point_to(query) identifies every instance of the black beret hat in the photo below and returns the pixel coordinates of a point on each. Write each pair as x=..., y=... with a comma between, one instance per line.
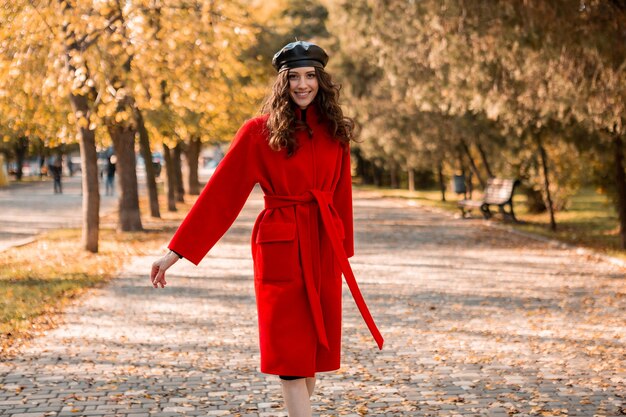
x=299, y=54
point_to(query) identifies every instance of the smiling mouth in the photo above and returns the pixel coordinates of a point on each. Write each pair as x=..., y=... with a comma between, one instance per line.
x=301, y=95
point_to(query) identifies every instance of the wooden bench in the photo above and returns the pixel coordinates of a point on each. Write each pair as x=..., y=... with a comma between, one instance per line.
x=499, y=192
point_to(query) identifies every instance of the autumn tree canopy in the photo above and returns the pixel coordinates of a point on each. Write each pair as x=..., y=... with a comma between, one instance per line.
x=528, y=89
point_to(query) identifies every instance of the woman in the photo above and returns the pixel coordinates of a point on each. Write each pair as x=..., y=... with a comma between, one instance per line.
x=298, y=151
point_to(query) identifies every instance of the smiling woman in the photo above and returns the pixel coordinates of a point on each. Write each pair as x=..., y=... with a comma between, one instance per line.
x=298, y=151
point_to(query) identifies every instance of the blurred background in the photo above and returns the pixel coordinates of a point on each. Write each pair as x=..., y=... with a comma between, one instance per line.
x=446, y=94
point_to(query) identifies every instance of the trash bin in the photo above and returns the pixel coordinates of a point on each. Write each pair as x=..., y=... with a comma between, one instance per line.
x=458, y=183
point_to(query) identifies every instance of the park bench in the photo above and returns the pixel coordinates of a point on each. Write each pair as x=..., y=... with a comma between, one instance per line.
x=499, y=192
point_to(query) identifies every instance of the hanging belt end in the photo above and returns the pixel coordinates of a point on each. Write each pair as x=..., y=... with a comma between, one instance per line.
x=380, y=341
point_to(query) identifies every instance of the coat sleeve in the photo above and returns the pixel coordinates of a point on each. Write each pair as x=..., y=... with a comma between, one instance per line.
x=342, y=201
x=221, y=200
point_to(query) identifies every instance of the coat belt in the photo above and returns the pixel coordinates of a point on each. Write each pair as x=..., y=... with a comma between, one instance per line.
x=324, y=201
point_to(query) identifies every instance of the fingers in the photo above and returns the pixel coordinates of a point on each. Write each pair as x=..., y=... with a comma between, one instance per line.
x=160, y=280
x=157, y=275
x=153, y=272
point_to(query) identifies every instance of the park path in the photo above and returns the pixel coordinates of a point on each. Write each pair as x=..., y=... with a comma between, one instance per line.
x=28, y=209
x=478, y=322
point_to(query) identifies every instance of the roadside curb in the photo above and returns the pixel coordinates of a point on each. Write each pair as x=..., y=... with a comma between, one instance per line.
x=17, y=243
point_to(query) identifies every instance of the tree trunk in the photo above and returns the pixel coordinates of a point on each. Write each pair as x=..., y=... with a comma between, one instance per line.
x=129, y=218
x=90, y=178
x=123, y=134
x=393, y=175
x=21, y=147
x=374, y=174
x=546, y=180
x=411, y=179
x=473, y=166
x=620, y=186
x=377, y=174
x=178, y=172
x=483, y=157
x=146, y=153
x=366, y=171
x=361, y=166
x=87, y=143
x=442, y=183
x=193, y=153
x=171, y=181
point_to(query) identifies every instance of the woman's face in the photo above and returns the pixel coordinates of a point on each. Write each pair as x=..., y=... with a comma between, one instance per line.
x=303, y=85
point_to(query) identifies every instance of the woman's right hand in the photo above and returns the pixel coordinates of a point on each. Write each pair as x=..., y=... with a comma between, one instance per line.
x=157, y=274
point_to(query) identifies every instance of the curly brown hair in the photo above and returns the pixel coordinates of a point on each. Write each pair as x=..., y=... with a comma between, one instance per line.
x=282, y=122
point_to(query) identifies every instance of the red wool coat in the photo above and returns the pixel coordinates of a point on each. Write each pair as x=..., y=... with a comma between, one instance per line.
x=301, y=241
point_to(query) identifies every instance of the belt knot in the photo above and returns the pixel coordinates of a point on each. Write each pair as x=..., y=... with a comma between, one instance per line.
x=310, y=196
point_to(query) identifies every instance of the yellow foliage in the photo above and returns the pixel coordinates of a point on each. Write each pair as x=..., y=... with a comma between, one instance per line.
x=187, y=77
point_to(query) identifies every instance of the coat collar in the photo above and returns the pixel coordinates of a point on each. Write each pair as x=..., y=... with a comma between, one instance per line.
x=312, y=113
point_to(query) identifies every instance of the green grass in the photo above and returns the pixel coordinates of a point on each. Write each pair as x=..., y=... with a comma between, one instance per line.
x=590, y=220
x=26, y=299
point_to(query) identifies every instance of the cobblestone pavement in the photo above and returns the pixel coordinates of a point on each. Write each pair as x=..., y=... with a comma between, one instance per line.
x=478, y=322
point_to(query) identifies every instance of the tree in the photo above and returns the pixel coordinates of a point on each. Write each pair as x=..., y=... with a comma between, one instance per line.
x=89, y=53
x=533, y=72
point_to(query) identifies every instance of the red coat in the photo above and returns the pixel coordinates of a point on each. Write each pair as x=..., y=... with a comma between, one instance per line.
x=300, y=241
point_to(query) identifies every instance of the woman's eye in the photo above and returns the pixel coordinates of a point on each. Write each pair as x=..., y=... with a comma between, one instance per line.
x=309, y=76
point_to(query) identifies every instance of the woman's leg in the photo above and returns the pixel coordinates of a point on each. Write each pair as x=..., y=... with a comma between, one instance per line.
x=296, y=395
x=310, y=385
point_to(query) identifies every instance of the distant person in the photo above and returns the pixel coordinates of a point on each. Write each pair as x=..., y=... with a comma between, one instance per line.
x=55, y=167
x=218, y=154
x=70, y=166
x=110, y=174
x=42, y=167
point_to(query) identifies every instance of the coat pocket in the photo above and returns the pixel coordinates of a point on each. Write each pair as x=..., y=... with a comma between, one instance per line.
x=278, y=250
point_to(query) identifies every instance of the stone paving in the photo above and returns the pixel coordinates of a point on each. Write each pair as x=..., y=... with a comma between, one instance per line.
x=27, y=209
x=478, y=322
